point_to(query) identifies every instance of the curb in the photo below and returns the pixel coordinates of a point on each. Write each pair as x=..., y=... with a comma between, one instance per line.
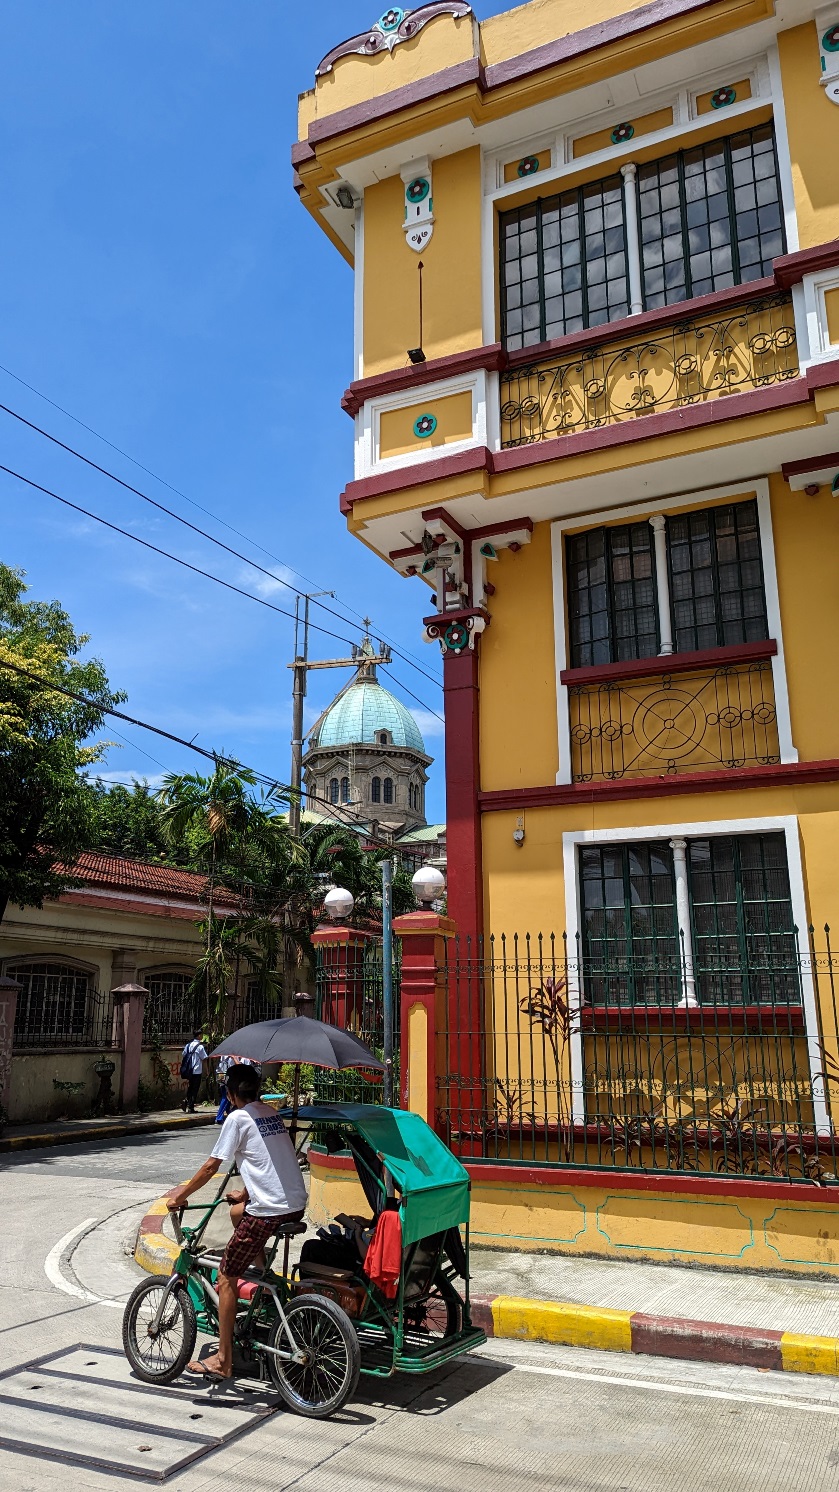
x=153, y=1251
x=104, y=1132
x=574, y=1325
x=520, y=1319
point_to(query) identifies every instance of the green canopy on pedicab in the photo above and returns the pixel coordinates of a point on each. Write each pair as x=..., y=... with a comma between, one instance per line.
x=433, y=1184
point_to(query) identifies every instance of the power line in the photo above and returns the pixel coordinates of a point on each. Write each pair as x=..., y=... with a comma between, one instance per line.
x=196, y=569
x=215, y=757
x=178, y=519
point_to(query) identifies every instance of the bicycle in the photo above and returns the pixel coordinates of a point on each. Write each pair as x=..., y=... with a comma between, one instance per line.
x=305, y=1346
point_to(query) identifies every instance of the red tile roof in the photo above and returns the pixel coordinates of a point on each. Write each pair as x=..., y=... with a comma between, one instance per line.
x=121, y=874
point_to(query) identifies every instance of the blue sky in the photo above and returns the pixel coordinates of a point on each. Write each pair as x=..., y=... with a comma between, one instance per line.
x=161, y=282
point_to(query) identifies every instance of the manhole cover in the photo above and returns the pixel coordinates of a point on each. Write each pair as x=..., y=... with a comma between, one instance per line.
x=82, y=1406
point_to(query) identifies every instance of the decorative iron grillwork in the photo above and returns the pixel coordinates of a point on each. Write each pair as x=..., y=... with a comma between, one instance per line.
x=350, y=995
x=59, y=1007
x=535, y=1071
x=689, y=362
x=685, y=722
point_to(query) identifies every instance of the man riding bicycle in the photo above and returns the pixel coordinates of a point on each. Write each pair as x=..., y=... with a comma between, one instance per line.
x=253, y=1138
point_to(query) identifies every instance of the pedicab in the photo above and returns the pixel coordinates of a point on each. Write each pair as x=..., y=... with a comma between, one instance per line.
x=310, y=1331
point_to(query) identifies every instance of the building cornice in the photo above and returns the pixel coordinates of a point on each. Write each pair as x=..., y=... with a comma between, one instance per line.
x=684, y=785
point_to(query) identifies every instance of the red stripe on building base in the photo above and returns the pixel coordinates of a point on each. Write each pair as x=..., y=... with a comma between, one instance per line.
x=706, y=1341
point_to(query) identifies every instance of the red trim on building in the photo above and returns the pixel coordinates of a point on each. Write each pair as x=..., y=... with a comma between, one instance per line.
x=778, y=774
x=584, y=442
x=790, y=269
x=497, y=75
x=666, y=663
x=514, y=1175
x=812, y=463
x=638, y=326
x=463, y=820
x=414, y=375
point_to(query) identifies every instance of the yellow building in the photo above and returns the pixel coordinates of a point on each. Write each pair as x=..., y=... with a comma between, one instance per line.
x=596, y=403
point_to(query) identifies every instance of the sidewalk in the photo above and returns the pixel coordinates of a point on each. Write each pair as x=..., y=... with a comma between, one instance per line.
x=778, y=1322
x=71, y=1131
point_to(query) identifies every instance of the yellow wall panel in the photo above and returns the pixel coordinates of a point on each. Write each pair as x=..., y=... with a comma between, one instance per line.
x=806, y=531
x=441, y=44
x=602, y=139
x=813, y=128
x=831, y=303
x=451, y=286
x=518, y=683
x=743, y=90
x=454, y=422
x=540, y=21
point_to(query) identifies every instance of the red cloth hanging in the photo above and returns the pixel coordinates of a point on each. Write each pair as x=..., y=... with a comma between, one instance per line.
x=383, y=1260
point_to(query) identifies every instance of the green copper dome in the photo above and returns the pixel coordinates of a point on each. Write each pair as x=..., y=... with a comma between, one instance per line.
x=361, y=712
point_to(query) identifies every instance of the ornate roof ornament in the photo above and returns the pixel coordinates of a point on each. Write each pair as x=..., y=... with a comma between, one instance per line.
x=394, y=26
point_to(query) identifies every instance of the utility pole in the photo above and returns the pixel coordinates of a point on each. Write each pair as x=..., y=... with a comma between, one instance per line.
x=299, y=666
x=387, y=978
x=363, y=658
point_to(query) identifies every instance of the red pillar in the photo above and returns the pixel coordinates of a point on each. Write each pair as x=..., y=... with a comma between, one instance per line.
x=463, y=819
x=341, y=977
x=424, y=1057
x=129, y=1006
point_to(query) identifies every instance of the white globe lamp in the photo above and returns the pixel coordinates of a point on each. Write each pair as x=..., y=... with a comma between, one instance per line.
x=428, y=885
x=338, y=904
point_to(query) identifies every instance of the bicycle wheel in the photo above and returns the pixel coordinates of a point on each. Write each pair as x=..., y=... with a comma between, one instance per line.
x=440, y=1314
x=160, y=1358
x=322, y=1384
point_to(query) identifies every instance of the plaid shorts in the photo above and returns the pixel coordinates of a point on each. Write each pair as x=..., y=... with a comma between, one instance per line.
x=249, y=1239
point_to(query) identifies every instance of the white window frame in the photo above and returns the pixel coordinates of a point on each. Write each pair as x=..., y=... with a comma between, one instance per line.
x=635, y=514
x=782, y=823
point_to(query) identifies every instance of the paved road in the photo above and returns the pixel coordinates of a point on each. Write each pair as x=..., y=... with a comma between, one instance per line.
x=515, y=1416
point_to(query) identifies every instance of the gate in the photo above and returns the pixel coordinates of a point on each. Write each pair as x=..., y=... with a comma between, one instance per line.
x=350, y=994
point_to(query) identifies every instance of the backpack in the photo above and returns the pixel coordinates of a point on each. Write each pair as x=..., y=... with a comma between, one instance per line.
x=186, y=1061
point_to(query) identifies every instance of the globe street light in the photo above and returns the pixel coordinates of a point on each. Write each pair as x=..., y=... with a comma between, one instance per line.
x=428, y=885
x=338, y=904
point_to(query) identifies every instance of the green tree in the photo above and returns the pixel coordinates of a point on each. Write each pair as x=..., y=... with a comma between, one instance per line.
x=129, y=821
x=47, y=806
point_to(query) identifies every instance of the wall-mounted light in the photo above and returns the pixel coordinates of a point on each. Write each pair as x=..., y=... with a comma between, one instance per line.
x=345, y=197
x=416, y=355
x=518, y=832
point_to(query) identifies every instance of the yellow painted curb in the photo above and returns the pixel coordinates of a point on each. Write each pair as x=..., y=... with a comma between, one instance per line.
x=806, y=1354
x=155, y=1253
x=569, y=1324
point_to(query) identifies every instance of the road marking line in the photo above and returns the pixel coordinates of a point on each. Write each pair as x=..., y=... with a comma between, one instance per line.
x=53, y=1272
x=676, y=1388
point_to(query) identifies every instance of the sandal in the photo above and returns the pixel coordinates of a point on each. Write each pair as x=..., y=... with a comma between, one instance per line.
x=211, y=1374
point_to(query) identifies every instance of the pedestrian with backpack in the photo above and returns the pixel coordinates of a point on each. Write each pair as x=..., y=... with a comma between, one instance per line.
x=193, y=1057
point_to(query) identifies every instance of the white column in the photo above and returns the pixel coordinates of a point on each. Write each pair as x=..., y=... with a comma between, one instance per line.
x=662, y=576
x=680, y=870
x=633, y=239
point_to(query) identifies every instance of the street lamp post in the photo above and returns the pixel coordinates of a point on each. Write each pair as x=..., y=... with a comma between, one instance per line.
x=387, y=978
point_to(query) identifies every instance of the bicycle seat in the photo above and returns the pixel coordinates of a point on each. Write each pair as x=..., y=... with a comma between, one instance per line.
x=290, y=1230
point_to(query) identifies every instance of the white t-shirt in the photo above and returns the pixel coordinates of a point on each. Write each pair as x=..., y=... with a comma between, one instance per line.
x=197, y=1055
x=255, y=1138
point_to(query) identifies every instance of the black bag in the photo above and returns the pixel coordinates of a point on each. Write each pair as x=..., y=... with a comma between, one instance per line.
x=186, y=1061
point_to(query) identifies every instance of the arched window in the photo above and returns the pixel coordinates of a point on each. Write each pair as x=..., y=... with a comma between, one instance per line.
x=52, y=1005
x=345, y=789
x=388, y=790
x=376, y=790
x=384, y=739
x=333, y=790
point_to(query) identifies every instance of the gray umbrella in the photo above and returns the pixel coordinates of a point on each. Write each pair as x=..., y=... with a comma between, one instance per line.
x=298, y=1038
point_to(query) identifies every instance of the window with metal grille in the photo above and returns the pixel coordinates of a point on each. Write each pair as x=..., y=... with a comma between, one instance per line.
x=630, y=937
x=376, y=790
x=611, y=595
x=745, y=947
x=710, y=217
x=172, y=1009
x=563, y=264
x=716, y=578
x=52, y=1002
x=742, y=931
x=388, y=790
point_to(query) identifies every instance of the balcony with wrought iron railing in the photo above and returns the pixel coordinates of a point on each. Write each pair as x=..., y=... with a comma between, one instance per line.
x=591, y=381
x=718, y=713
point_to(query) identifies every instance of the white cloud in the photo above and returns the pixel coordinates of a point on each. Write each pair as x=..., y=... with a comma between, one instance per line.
x=429, y=724
x=153, y=779
x=265, y=585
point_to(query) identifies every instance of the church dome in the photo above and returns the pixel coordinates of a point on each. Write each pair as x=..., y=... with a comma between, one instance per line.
x=361, y=713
